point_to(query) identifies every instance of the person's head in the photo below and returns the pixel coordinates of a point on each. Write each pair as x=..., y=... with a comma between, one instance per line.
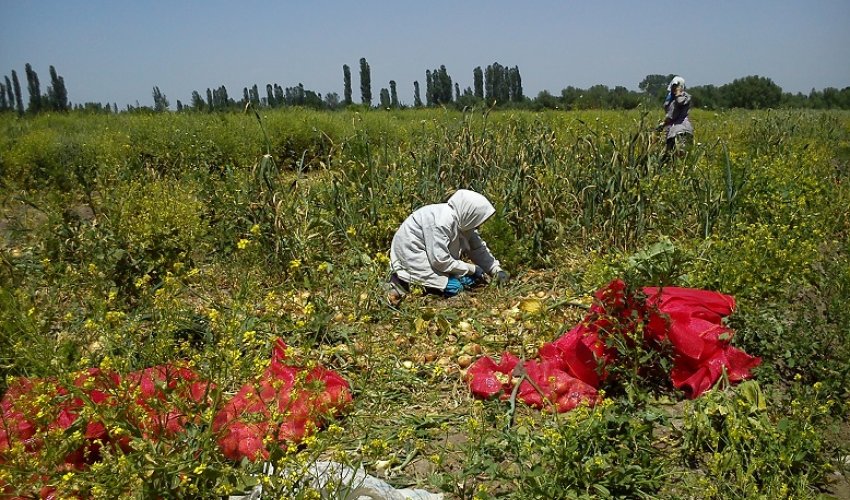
x=677, y=83
x=472, y=209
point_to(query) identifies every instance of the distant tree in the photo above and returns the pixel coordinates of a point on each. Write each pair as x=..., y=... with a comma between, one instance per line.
x=332, y=100
x=34, y=90
x=179, y=106
x=515, y=85
x=209, y=99
x=197, y=101
x=346, y=80
x=4, y=105
x=393, y=95
x=655, y=85
x=445, y=85
x=270, y=95
x=19, y=101
x=160, y=102
x=546, y=100
x=255, y=95
x=753, y=92
x=365, y=82
x=279, y=95
x=56, y=92
x=245, y=97
x=385, y=98
x=10, y=94
x=429, y=88
x=478, y=82
x=457, y=92
x=706, y=96
x=417, y=100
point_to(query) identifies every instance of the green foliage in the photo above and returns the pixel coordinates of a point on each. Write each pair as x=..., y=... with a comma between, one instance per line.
x=610, y=451
x=132, y=240
x=745, y=450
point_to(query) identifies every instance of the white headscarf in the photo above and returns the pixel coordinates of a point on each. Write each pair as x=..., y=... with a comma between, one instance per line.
x=677, y=80
x=472, y=209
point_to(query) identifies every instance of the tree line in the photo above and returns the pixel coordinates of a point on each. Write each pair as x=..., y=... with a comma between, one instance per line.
x=494, y=86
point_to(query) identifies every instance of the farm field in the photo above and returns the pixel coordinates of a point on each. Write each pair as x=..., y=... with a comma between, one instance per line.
x=196, y=241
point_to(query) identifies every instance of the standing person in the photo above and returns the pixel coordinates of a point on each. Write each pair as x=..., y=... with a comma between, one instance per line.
x=680, y=132
x=428, y=246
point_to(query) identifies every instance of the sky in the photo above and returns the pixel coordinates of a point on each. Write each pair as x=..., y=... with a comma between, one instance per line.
x=116, y=51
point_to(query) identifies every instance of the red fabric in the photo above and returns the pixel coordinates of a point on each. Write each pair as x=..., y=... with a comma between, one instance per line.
x=572, y=367
x=247, y=419
x=167, y=397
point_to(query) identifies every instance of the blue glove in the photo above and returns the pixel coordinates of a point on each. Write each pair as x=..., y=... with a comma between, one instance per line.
x=453, y=287
x=466, y=281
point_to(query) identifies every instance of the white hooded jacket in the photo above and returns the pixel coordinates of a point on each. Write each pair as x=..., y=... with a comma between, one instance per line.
x=427, y=248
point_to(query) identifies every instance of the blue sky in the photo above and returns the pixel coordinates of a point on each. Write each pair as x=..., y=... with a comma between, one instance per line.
x=118, y=50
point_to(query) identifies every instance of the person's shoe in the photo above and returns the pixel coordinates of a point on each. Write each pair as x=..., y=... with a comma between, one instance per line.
x=394, y=298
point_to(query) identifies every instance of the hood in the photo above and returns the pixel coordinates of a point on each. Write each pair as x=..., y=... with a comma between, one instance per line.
x=677, y=80
x=472, y=209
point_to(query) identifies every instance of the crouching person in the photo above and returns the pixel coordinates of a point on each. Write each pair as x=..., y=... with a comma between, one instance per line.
x=428, y=247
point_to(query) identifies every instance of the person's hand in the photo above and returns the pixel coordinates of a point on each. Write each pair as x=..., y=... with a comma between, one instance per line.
x=501, y=277
x=478, y=274
x=453, y=287
x=466, y=281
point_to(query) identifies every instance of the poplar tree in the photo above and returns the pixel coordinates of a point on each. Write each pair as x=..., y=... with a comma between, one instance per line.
x=270, y=95
x=393, y=94
x=57, y=93
x=209, y=99
x=429, y=88
x=197, y=101
x=19, y=100
x=417, y=100
x=478, y=82
x=516, y=85
x=10, y=97
x=160, y=102
x=385, y=98
x=365, y=82
x=346, y=81
x=34, y=89
x=3, y=104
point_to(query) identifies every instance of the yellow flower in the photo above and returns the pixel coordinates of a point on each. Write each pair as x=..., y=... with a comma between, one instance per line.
x=242, y=244
x=351, y=231
x=255, y=229
x=295, y=264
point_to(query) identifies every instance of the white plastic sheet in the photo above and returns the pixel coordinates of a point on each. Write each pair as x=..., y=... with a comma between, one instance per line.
x=336, y=481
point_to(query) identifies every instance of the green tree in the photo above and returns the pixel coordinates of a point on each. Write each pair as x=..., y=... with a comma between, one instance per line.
x=10, y=97
x=385, y=98
x=34, y=89
x=19, y=100
x=515, y=85
x=56, y=92
x=365, y=82
x=270, y=95
x=655, y=85
x=752, y=92
x=160, y=102
x=429, y=88
x=417, y=99
x=210, y=102
x=332, y=100
x=197, y=101
x=393, y=94
x=478, y=82
x=346, y=80
x=4, y=105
